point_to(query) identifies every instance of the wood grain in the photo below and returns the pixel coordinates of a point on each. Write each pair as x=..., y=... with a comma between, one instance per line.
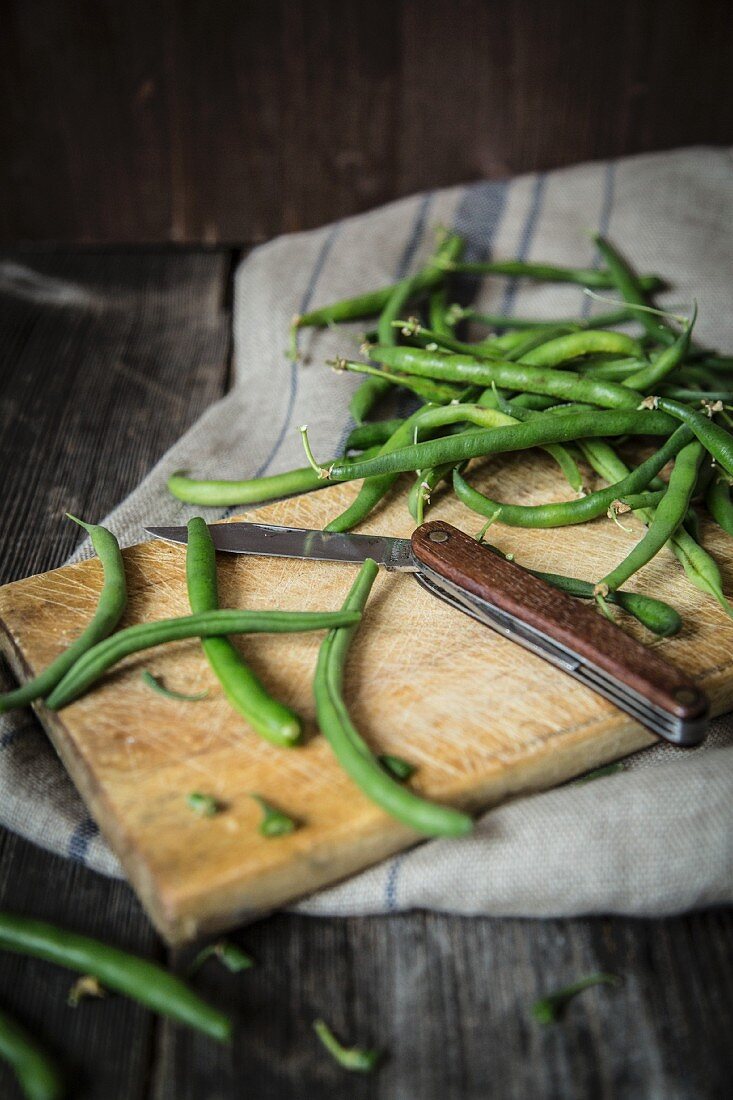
x=419, y=681
x=147, y=123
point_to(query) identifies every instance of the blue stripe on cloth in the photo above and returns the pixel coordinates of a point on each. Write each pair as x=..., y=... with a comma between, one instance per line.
x=405, y=262
x=525, y=241
x=478, y=217
x=9, y=738
x=81, y=838
x=604, y=219
x=303, y=308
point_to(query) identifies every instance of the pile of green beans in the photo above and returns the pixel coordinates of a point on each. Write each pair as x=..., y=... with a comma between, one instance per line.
x=570, y=384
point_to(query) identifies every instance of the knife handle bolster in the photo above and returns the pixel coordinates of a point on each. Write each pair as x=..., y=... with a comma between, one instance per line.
x=479, y=572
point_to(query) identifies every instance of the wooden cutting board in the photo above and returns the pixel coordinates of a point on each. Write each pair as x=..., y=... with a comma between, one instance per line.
x=483, y=719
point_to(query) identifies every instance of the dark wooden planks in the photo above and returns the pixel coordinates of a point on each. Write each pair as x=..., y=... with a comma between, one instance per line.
x=104, y=361
x=132, y=122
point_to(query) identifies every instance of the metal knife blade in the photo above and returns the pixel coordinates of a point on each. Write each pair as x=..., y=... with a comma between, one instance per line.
x=298, y=542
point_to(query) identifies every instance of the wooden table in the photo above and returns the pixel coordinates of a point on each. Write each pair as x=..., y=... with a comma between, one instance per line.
x=91, y=394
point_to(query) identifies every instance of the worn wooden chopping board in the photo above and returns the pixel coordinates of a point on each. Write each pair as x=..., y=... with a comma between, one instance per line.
x=483, y=719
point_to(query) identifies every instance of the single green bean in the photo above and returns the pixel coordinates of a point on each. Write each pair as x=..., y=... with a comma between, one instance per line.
x=438, y=393
x=502, y=321
x=438, y=313
x=576, y=344
x=375, y=433
x=651, y=375
x=155, y=684
x=37, y=1073
x=256, y=490
x=633, y=290
x=569, y=512
x=718, y=503
x=245, y=691
x=95, y=662
x=552, y=428
x=375, y=388
x=716, y=440
x=655, y=615
x=563, y=384
x=128, y=974
x=700, y=567
x=349, y=747
x=550, y=273
x=110, y=608
x=618, y=370
x=668, y=516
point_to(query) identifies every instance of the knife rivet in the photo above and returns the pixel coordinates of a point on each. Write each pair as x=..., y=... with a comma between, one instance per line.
x=438, y=536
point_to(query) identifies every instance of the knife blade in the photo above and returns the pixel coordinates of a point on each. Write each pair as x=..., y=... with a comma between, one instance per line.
x=500, y=594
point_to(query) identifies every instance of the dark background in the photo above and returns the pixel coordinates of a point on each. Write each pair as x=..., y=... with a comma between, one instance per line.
x=231, y=121
x=211, y=126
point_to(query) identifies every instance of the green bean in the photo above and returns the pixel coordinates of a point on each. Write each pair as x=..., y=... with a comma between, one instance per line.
x=654, y=614
x=700, y=567
x=348, y=746
x=256, y=490
x=552, y=428
x=424, y=485
x=375, y=388
x=549, y=273
x=635, y=502
x=577, y=344
x=110, y=608
x=566, y=385
x=156, y=684
x=716, y=440
x=668, y=516
x=210, y=624
x=680, y=393
x=274, y=822
x=548, y=1010
x=438, y=314
x=375, y=433
x=633, y=290
x=128, y=974
x=486, y=349
x=245, y=691
x=502, y=321
x=649, y=376
x=618, y=370
x=355, y=1059
x=566, y=513
x=37, y=1073
x=425, y=388
x=718, y=502
x=374, y=489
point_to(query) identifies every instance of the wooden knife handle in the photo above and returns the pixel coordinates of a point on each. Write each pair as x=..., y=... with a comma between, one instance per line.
x=475, y=569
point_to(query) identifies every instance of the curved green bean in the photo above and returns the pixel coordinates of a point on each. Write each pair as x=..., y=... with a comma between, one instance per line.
x=569, y=512
x=588, y=342
x=95, y=662
x=128, y=974
x=357, y=760
x=437, y=393
x=634, y=290
x=504, y=321
x=256, y=490
x=650, y=375
x=668, y=515
x=655, y=615
x=37, y=1073
x=715, y=439
x=110, y=608
x=245, y=691
x=463, y=369
x=552, y=428
x=550, y=273
x=374, y=433
x=719, y=505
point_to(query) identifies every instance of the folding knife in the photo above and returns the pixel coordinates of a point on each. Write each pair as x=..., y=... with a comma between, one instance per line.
x=500, y=594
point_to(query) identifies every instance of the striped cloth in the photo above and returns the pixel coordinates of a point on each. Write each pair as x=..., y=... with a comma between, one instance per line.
x=657, y=838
